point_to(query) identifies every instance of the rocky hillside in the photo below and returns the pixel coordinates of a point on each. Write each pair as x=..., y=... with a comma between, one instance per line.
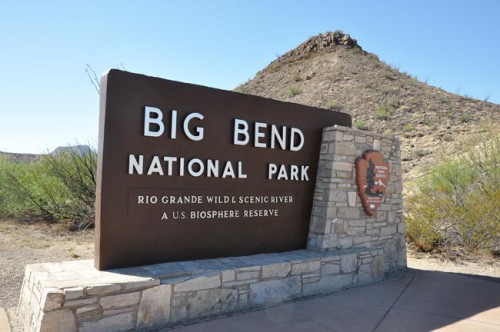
x=332, y=71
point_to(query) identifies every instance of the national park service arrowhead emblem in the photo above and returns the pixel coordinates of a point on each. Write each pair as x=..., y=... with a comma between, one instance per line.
x=372, y=178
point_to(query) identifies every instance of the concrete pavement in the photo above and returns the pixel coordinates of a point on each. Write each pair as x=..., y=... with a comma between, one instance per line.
x=418, y=301
x=4, y=321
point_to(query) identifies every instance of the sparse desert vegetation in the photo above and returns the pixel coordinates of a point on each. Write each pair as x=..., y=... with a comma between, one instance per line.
x=53, y=188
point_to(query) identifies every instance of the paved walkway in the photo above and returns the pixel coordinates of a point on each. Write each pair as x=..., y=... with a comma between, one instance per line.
x=420, y=301
x=4, y=322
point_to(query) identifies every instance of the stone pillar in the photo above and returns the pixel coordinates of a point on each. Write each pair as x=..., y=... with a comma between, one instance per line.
x=338, y=220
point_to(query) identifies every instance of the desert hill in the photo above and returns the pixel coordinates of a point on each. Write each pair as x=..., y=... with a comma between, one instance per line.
x=30, y=157
x=332, y=71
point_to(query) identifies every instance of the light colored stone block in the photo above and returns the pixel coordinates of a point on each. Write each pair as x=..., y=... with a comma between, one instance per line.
x=103, y=289
x=79, y=303
x=345, y=148
x=338, y=196
x=306, y=267
x=275, y=291
x=349, y=263
x=279, y=270
x=154, y=308
x=348, y=212
x=228, y=276
x=247, y=275
x=121, y=322
x=327, y=284
x=178, y=314
x=378, y=267
x=119, y=301
x=212, y=302
x=73, y=293
x=388, y=230
x=52, y=299
x=344, y=242
x=198, y=283
x=342, y=166
x=58, y=320
x=83, y=310
x=330, y=269
x=351, y=198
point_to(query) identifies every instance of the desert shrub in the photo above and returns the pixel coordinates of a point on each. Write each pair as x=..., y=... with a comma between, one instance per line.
x=297, y=78
x=77, y=171
x=456, y=202
x=383, y=112
x=360, y=124
x=294, y=90
x=465, y=118
x=333, y=104
x=54, y=188
x=384, y=88
x=28, y=191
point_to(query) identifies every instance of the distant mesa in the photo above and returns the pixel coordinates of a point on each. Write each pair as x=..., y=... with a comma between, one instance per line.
x=79, y=149
x=31, y=157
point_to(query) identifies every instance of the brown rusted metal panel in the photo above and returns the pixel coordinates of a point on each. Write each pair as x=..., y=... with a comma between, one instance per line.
x=197, y=191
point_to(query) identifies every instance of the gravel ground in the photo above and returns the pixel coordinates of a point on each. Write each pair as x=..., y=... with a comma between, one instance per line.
x=22, y=243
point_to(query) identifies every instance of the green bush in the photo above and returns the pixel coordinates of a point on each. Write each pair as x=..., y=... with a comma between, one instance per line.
x=360, y=124
x=456, y=202
x=294, y=90
x=29, y=192
x=383, y=112
x=333, y=104
x=53, y=188
x=465, y=118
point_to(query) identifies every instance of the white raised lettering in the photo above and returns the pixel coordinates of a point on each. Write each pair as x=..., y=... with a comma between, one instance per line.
x=212, y=168
x=259, y=134
x=169, y=161
x=293, y=145
x=275, y=135
x=155, y=166
x=134, y=164
x=240, y=129
x=148, y=120
x=199, y=130
x=228, y=171
x=303, y=173
x=271, y=170
x=192, y=171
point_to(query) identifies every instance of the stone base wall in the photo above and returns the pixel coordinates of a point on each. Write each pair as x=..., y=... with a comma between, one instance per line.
x=74, y=296
x=338, y=220
x=346, y=248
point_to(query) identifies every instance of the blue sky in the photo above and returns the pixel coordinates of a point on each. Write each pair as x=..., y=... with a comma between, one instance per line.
x=47, y=100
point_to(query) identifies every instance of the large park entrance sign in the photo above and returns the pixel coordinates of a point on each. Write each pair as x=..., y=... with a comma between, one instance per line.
x=189, y=172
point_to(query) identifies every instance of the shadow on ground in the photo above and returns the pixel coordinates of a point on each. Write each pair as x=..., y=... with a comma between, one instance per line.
x=418, y=301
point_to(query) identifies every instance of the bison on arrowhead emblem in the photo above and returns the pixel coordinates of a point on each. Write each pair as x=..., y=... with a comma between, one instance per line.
x=372, y=177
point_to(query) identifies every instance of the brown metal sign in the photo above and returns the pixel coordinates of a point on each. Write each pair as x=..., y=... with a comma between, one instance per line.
x=189, y=172
x=372, y=177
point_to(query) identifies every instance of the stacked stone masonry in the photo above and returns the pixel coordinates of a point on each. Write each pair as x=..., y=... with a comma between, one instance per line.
x=338, y=220
x=74, y=296
x=346, y=248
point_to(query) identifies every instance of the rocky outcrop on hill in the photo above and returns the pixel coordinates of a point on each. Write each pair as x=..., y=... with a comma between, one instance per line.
x=332, y=71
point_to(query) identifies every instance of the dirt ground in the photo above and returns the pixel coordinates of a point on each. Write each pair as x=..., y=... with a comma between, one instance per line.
x=25, y=243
